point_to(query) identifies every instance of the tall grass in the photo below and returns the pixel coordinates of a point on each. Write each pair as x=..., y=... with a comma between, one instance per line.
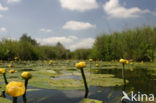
x=138, y=44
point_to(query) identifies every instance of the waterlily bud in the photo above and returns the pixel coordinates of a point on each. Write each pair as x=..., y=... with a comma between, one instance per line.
x=80, y=65
x=15, y=89
x=77, y=65
x=90, y=60
x=15, y=58
x=2, y=70
x=123, y=61
x=97, y=65
x=50, y=62
x=11, y=71
x=10, y=65
x=126, y=62
x=83, y=64
x=26, y=75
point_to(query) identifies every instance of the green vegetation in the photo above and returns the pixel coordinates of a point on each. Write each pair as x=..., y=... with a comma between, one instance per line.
x=28, y=49
x=48, y=76
x=26, y=54
x=138, y=44
x=4, y=100
x=45, y=75
x=91, y=101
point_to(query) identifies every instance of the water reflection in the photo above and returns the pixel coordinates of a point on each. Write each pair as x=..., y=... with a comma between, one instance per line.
x=141, y=80
x=24, y=99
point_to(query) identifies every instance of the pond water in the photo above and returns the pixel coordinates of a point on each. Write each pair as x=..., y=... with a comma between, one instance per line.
x=67, y=77
x=140, y=80
x=109, y=95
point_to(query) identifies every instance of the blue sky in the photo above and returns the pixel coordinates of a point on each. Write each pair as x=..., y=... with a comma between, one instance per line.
x=74, y=23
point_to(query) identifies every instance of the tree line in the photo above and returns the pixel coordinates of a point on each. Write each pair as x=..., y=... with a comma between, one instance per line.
x=138, y=44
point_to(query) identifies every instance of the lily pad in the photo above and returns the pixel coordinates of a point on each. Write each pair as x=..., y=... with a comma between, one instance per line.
x=4, y=100
x=104, y=80
x=29, y=90
x=87, y=100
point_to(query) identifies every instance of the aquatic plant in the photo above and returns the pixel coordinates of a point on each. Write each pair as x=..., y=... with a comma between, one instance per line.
x=11, y=71
x=123, y=61
x=80, y=66
x=10, y=66
x=97, y=65
x=26, y=76
x=15, y=89
x=3, y=71
x=50, y=62
x=90, y=62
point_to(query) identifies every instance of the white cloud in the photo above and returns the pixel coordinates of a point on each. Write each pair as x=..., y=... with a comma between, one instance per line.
x=79, y=5
x=77, y=25
x=1, y=16
x=3, y=29
x=54, y=40
x=3, y=8
x=11, y=38
x=115, y=10
x=84, y=43
x=46, y=30
x=13, y=1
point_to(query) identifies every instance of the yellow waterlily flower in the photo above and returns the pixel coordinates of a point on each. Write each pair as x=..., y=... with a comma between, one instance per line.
x=97, y=65
x=2, y=70
x=15, y=58
x=127, y=61
x=10, y=65
x=15, y=89
x=26, y=75
x=11, y=71
x=80, y=65
x=90, y=60
x=77, y=65
x=50, y=62
x=124, y=61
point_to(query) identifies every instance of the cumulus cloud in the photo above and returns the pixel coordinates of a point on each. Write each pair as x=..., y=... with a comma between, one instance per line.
x=79, y=5
x=54, y=40
x=45, y=30
x=77, y=25
x=13, y=1
x=3, y=8
x=84, y=43
x=115, y=10
x=3, y=29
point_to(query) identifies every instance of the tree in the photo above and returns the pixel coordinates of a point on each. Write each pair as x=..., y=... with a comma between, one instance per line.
x=26, y=38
